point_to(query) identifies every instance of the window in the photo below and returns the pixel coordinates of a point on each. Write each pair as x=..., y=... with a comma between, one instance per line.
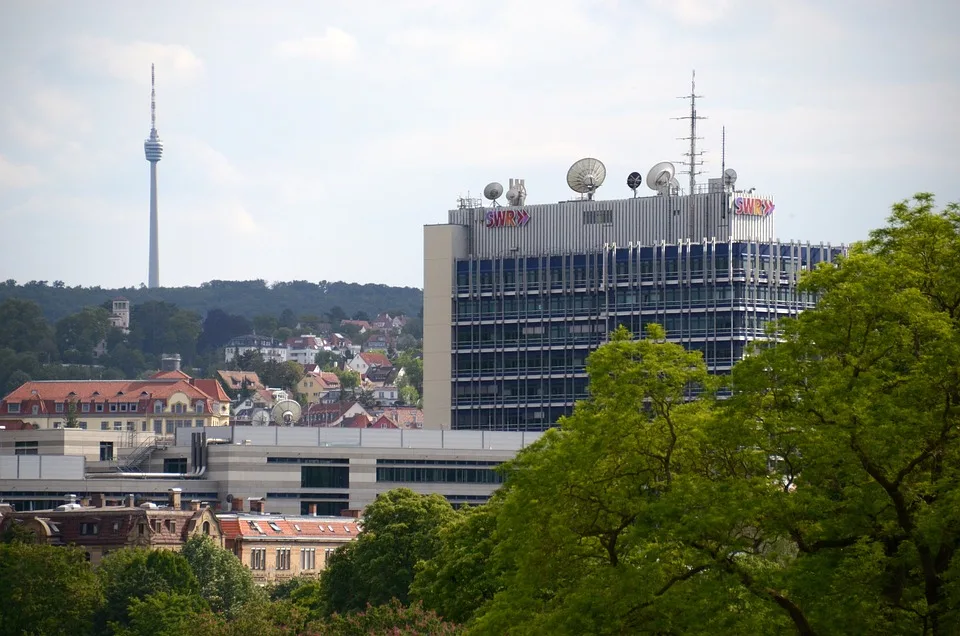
x=283, y=558
x=36, y=409
x=324, y=477
x=89, y=529
x=99, y=408
x=104, y=426
x=113, y=408
x=175, y=464
x=258, y=559
x=199, y=406
x=274, y=527
x=199, y=423
x=141, y=529
x=123, y=407
x=171, y=525
x=59, y=407
x=26, y=448
x=118, y=426
x=13, y=408
x=206, y=528
x=158, y=407
x=106, y=451
x=85, y=407
x=83, y=425
x=598, y=217
x=132, y=407
x=308, y=558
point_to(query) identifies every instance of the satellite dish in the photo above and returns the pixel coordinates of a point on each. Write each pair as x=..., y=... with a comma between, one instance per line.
x=517, y=194
x=660, y=175
x=286, y=413
x=634, y=181
x=586, y=175
x=729, y=177
x=674, y=186
x=493, y=191
x=260, y=417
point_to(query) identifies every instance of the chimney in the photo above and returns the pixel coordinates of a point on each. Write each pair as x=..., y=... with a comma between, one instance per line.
x=257, y=505
x=98, y=500
x=175, y=498
x=131, y=501
x=236, y=504
x=353, y=513
x=312, y=510
x=194, y=505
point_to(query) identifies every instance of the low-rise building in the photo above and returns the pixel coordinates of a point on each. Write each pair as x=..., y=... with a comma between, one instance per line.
x=316, y=386
x=371, y=365
x=304, y=349
x=278, y=547
x=161, y=404
x=269, y=348
x=98, y=528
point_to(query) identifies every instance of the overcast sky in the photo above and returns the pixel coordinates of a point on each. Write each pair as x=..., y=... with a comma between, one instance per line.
x=313, y=140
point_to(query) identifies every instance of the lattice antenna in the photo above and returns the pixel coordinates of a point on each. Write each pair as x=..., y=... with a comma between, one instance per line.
x=693, y=158
x=153, y=100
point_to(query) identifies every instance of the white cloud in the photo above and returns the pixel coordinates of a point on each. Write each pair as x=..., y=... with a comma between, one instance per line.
x=211, y=165
x=694, y=11
x=131, y=61
x=335, y=45
x=17, y=176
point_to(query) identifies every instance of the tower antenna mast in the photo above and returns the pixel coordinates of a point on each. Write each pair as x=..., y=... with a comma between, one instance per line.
x=153, y=100
x=153, y=149
x=693, y=158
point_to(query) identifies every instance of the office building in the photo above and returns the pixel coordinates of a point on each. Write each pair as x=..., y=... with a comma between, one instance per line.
x=517, y=296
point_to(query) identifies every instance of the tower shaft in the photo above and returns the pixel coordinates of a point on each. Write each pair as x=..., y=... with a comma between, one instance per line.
x=154, y=273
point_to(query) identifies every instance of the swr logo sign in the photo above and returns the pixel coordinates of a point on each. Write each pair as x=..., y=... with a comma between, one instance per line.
x=750, y=206
x=507, y=218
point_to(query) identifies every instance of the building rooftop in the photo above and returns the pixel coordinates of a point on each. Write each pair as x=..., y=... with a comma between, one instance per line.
x=265, y=527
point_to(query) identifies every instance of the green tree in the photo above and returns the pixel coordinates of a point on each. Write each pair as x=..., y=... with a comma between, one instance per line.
x=328, y=360
x=224, y=581
x=137, y=573
x=23, y=327
x=390, y=618
x=164, y=614
x=78, y=334
x=858, y=404
x=48, y=590
x=349, y=381
x=265, y=325
x=399, y=530
x=461, y=576
x=411, y=361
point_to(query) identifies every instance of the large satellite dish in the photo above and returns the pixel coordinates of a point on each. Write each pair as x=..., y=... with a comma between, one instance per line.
x=260, y=417
x=634, y=181
x=659, y=177
x=729, y=177
x=586, y=175
x=493, y=191
x=286, y=413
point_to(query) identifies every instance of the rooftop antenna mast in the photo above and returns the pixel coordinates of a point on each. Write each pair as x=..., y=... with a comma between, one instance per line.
x=723, y=150
x=693, y=158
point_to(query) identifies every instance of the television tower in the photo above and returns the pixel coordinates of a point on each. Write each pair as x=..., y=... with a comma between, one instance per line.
x=153, y=149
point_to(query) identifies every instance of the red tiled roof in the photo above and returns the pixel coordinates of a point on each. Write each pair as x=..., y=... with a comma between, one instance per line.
x=170, y=375
x=213, y=388
x=404, y=416
x=104, y=390
x=384, y=422
x=234, y=379
x=335, y=528
x=356, y=421
x=375, y=359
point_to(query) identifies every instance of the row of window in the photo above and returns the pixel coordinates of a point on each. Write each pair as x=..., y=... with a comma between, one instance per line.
x=113, y=407
x=308, y=558
x=418, y=475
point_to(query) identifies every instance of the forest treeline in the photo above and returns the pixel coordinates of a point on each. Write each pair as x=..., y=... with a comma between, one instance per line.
x=244, y=298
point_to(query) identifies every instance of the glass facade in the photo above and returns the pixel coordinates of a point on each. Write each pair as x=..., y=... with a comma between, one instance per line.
x=522, y=327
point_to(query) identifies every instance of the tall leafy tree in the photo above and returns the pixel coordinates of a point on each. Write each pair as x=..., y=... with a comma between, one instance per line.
x=399, y=530
x=78, y=334
x=23, y=327
x=47, y=590
x=224, y=581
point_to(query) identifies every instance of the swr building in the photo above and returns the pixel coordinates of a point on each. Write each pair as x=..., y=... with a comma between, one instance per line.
x=516, y=297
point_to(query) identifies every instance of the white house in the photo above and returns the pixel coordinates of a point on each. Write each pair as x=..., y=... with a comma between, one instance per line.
x=269, y=348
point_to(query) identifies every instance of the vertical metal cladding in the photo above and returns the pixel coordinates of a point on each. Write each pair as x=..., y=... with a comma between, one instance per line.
x=581, y=226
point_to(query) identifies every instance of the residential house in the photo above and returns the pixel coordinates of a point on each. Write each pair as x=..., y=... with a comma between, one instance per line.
x=279, y=547
x=99, y=529
x=385, y=321
x=304, y=349
x=371, y=365
x=160, y=404
x=407, y=417
x=317, y=386
x=236, y=381
x=385, y=395
x=363, y=325
x=269, y=348
x=377, y=341
x=324, y=415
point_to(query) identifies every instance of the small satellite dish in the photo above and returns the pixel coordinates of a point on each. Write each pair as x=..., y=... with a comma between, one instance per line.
x=634, y=181
x=586, y=175
x=260, y=417
x=729, y=177
x=517, y=194
x=493, y=191
x=674, y=186
x=286, y=413
x=660, y=175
